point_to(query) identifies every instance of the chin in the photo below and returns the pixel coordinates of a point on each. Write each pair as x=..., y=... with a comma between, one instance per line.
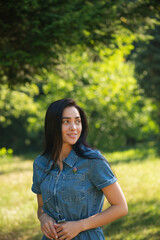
x=72, y=142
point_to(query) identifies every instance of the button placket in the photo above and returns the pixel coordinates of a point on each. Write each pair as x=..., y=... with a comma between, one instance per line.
x=55, y=190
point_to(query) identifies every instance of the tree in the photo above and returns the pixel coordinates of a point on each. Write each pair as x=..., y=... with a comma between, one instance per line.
x=106, y=89
x=147, y=66
x=34, y=33
x=17, y=108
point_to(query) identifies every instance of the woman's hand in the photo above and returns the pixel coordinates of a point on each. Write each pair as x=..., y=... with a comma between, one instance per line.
x=47, y=226
x=68, y=230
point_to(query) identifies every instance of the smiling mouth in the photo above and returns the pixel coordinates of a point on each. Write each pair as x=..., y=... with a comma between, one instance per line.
x=72, y=135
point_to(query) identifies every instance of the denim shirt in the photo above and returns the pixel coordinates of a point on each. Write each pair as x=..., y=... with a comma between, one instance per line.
x=75, y=192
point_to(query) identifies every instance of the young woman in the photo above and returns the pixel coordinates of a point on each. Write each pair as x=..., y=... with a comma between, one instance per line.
x=71, y=179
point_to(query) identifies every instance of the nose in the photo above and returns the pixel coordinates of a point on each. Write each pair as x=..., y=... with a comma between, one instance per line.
x=72, y=126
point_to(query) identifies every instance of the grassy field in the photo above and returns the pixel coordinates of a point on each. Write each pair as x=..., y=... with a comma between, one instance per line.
x=138, y=172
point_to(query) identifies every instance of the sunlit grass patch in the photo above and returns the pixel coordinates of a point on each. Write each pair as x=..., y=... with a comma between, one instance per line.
x=18, y=204
x=140, y=181
x=137, y=170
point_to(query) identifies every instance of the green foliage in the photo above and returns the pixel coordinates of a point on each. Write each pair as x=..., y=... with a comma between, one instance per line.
x=16, y=108
x=102, y=83
x=5, y=153
x=147, y=61
x=117, y=111
x=34, y=33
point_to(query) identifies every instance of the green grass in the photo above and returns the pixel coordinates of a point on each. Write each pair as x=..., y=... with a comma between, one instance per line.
x=137, y=170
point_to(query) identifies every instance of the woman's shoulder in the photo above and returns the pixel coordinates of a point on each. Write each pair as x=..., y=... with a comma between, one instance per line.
x=91, y=153
x=41, y=161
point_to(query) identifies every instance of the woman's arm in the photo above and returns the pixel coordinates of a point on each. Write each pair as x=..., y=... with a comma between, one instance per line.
x=118, y=208
x=47, y=223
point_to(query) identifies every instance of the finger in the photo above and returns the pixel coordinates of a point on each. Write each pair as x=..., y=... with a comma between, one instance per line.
x=45, y=233
x=46, y=229
x=58, y=227
x=52, y=230
x=63, y=237
x=60, y=234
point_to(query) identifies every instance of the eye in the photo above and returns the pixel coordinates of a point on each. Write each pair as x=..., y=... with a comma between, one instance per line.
x=78, y=121
x=65, y=121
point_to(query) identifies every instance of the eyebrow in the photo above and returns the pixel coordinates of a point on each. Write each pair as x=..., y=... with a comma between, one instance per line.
x=69, y=117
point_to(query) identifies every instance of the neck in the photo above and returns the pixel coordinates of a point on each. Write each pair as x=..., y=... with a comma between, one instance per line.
x=65, y=151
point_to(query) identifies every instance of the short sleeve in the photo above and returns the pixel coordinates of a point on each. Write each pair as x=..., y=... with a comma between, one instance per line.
x=39, y=167
x=36, y=179
x=100, y=173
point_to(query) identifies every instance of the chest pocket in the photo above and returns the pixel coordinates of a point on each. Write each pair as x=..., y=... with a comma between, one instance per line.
x=73, y=187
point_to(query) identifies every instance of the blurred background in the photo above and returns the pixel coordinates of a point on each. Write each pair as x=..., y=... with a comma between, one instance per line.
x=106, y=56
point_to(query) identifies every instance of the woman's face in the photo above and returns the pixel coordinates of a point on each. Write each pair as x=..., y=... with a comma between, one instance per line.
x=71, y=125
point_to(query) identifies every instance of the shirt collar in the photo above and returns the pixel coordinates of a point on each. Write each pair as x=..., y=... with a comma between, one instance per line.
x=69, y=160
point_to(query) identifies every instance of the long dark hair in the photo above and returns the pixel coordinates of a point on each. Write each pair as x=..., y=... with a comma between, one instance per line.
x=53, y=129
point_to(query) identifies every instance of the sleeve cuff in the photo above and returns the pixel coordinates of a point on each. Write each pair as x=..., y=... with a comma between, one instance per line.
x=106, y=183
x=35, y=190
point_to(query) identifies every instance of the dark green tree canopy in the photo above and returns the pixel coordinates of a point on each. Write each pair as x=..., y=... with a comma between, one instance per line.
x=147, y=63
x=33, y=33
x=147, y=68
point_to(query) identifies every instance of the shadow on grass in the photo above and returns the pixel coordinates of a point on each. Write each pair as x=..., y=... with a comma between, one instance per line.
x=28, y=229
x=142, y=222
x=140, y=153
x=16, y=235
x=28, y=155
x=15, y=170
x=15, y=164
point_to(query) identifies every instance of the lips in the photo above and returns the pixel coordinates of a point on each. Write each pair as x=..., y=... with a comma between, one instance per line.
x=72, y=135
